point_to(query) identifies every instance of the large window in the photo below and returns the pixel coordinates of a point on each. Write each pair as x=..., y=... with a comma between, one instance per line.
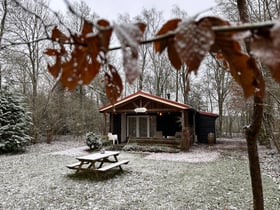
x=141, y=126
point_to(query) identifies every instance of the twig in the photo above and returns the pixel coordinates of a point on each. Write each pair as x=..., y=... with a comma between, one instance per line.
x=244, y=27
x=24, y=43
x=33, y=13
x=236, y=28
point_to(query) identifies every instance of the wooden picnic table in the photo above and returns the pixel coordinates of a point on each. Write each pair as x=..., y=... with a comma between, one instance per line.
x=96, y=161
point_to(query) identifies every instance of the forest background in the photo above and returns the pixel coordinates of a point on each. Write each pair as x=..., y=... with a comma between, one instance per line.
x=23, y=69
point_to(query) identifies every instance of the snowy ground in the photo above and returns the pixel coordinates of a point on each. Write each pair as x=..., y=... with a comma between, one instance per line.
x=206, y=177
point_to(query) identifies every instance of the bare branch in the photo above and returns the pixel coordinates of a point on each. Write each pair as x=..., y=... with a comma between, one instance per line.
x=244, y=27
x=237, y=28
x=33, y=13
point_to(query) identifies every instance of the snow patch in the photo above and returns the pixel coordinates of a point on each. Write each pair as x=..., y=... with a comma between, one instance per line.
x=84, y=150
x=191, y=157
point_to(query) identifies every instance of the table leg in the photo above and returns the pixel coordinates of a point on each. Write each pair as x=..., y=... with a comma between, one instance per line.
x=80, y=167
x=101, y=163
x=116, y=159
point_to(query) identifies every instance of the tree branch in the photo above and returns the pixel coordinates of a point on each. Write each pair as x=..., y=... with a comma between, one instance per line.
x=236, y=28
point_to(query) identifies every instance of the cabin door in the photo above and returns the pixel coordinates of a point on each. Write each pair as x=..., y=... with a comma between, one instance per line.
x=139, y=126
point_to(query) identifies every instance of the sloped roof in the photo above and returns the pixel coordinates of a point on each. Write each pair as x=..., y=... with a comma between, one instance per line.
x=209, y=114
x=149, y=96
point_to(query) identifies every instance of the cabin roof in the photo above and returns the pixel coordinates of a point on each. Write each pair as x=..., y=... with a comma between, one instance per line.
x=209, y=114
x=142, y=94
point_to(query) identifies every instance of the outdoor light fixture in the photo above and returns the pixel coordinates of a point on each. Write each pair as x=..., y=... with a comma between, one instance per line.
x=140, y=110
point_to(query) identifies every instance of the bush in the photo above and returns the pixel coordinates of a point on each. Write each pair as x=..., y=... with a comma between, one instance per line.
x=149, y=148
x=15, y=123
x=93, y=141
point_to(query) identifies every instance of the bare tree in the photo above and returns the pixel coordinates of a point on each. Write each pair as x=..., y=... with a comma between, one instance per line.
x=4, y=11
x=24, y=28
x=219, y=82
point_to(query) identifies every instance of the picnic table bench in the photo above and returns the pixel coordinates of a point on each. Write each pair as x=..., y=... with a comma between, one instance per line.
x=96, y=161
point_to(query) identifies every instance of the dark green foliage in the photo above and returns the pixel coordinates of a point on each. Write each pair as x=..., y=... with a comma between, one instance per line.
x=93, y=140
x=15, y=123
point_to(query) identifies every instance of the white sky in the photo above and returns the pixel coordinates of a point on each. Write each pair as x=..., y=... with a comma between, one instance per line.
x=109, y=9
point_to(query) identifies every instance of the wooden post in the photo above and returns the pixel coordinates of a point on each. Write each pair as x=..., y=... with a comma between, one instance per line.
x=186, y=139
x=105, y=124
x=185, y=134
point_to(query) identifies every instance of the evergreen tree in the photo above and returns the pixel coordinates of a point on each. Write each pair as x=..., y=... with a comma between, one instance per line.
x=15, y=122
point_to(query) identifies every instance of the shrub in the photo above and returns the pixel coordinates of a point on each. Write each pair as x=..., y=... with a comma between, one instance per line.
x=149, y=148
x=93, y=141
x=15, y=123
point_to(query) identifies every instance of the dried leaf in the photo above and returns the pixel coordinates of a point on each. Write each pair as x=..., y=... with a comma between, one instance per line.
x=193, y=41
x=69, y=77
x=87, y=28
x=221, y=57
x=173, y=55
x=169, y=26
x=104, y=36
x=113, y=84
x=243, y=68
x=58, y=36
x=223, y=40
x=129, y=37
x=266, y=46
x=55, y=69
x=141, y=26
x=51, y=52
x=82, y=66
x=275, y=31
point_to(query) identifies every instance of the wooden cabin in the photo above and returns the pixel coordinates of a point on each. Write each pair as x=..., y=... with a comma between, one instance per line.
x=205, y=126
x=146, y=118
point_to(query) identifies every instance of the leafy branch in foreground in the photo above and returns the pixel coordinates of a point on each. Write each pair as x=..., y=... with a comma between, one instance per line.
x=187, y=42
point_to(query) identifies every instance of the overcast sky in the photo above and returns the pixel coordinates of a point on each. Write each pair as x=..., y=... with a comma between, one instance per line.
x=110, y=9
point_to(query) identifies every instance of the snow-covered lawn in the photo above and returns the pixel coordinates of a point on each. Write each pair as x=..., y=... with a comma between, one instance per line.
x=204, y=178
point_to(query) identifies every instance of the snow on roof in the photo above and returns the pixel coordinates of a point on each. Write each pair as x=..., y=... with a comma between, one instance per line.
x=141, y=93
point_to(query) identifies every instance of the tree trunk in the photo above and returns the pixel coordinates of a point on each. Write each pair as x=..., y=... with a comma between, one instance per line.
x=2, y=28
x=251, y=137
x=253, y=130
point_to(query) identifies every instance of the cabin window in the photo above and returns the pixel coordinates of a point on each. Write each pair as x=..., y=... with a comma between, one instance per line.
x=141, y=126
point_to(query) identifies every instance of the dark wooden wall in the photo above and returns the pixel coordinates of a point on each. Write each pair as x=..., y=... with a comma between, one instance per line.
x=205, y=124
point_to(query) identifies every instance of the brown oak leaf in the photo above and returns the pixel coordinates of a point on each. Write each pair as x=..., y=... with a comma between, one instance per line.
x=58, y=36
x=242, y=67
x=266, y=46
x=83, y=63
x=130, y=36
x=113, y=84
x=193, y=40
x=169, y=26
x=104, y=36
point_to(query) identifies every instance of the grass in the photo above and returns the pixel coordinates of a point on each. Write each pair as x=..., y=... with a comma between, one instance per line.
x=40, y=180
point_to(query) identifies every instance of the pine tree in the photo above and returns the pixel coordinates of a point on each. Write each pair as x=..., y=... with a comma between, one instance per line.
x=15, y=122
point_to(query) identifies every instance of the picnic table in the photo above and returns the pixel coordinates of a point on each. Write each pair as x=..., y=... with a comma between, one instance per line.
x=96, y=161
